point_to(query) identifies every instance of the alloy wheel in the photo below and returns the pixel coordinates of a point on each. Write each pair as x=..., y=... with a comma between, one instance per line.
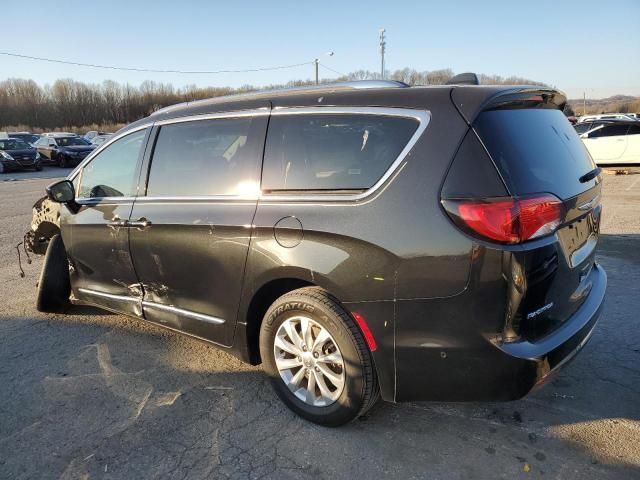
x=309, y=361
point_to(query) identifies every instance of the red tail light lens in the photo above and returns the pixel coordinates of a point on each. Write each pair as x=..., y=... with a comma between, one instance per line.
x=507, y=220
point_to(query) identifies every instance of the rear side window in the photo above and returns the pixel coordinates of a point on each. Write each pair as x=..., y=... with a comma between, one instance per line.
x=205, y=157
x=332, y=151
x=536, y=151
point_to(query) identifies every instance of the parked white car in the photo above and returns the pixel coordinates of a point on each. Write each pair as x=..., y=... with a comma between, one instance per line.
x=605, y=116
x=614, y=142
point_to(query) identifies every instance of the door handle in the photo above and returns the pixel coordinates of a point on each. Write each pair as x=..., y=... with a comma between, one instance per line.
x=140, y=223
x=116, y=221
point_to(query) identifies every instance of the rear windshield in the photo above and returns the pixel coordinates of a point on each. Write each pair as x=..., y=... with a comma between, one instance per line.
x=536, y=151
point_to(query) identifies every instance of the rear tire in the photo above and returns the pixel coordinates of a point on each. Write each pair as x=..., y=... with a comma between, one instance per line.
x=330, y=382
x=38, y=168
x=54, y=286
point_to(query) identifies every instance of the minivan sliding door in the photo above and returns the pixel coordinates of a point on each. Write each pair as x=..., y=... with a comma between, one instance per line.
x=190, y=234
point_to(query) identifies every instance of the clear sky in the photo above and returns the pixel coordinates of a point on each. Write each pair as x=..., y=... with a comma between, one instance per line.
x=583, y=45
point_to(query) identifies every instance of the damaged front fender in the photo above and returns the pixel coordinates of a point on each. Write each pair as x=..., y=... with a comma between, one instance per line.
x=45, y=223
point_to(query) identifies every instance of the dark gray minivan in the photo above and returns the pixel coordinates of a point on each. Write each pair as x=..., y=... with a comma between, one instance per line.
x=360, y=240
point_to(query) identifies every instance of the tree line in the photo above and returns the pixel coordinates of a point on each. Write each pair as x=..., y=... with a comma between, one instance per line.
x=67, y=103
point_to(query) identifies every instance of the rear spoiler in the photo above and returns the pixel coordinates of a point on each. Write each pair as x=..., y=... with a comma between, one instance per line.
x=469, y=103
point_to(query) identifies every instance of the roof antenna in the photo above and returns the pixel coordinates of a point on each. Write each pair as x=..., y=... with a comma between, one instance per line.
x=468, y=78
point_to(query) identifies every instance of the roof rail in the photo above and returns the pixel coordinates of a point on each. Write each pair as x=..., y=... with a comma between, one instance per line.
x=363, y=84
x=352, y=84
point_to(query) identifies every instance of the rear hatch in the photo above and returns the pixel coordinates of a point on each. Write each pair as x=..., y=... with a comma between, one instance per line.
x=523, y=184
x=537, y=153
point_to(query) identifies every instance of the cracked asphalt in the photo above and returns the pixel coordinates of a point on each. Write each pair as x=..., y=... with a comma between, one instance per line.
x=97, y=395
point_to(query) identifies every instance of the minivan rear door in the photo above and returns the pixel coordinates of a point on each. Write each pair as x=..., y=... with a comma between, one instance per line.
x=537, y=151
x=190, y=230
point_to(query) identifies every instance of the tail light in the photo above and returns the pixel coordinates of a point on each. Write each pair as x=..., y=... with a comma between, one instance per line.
x=507, y=220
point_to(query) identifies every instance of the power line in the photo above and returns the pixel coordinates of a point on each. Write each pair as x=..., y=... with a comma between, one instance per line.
x=332, y=70
x=150, y=70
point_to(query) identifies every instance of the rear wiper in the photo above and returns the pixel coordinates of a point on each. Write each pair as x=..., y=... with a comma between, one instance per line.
x=591, y=175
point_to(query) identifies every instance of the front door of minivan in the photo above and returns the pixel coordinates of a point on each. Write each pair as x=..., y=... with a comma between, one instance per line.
x=190, y=234
x=607, y=144
x=97, y=235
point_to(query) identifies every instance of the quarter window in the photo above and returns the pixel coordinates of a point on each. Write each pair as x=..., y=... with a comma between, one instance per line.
x=332, y=151
x=207, y=157
x=112, y=173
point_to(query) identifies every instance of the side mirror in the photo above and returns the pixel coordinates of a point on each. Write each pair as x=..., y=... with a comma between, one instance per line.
x=61, y=192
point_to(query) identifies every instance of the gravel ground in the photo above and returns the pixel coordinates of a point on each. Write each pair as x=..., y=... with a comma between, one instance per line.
x=97, y=395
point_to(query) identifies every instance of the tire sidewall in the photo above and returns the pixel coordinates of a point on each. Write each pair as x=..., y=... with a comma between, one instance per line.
x=350, y=402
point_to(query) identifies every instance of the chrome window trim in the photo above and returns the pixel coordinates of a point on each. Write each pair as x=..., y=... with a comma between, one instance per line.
x=422, y=116
x=184, y=313
x=258, y=112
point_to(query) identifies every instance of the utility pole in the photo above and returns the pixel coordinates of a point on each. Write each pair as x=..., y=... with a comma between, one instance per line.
x=316, y=64
x=584, y=103
x=383, y=45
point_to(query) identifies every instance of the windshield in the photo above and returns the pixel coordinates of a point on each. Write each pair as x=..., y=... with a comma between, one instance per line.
x=71, y=141
x=13, y=144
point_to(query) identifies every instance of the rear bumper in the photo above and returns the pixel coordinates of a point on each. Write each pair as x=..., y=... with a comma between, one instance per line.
x=460, y=364
x=554, y=351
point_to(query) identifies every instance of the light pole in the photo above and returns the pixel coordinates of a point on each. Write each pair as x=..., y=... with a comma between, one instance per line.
x=316, y=63
x=383, y=47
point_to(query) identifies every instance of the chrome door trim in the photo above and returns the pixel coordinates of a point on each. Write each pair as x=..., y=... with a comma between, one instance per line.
x=184, y=313
x=197, y=199
x=422, y=116
x=110, y=296
x=105, y=200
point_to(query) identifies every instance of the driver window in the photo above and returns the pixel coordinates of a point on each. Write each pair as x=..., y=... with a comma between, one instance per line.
x=112, y=173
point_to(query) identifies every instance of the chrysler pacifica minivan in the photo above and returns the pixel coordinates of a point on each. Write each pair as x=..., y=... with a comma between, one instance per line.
x=359, y=240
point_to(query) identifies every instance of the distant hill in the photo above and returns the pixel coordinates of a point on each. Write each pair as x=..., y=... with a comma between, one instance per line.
x=613, y=104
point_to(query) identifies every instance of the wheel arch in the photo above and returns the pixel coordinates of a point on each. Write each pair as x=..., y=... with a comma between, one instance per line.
x=261, y=300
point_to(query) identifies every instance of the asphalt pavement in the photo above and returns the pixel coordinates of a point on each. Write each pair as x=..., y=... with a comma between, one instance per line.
x=97, y=395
